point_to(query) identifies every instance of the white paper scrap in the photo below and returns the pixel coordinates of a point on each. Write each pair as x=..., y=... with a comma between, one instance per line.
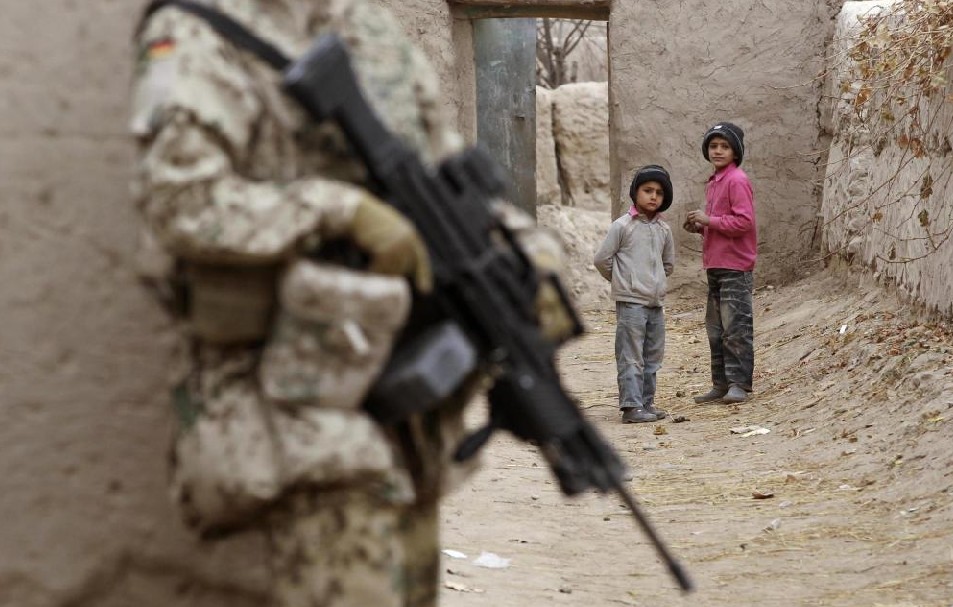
x=491, y=561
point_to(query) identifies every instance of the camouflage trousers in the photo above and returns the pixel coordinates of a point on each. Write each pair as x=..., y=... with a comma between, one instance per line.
x=729, y=322
x=347, y=548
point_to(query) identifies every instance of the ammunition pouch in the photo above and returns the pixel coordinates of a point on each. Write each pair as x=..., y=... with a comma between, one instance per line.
x=230, y=305
x=226, y=461
x=237, y=454
x=332, y=335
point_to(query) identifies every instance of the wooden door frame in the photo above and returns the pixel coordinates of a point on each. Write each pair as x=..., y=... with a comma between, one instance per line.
x=596, y=10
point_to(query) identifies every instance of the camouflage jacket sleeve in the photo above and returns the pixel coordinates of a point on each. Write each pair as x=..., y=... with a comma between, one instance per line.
x=196, y=113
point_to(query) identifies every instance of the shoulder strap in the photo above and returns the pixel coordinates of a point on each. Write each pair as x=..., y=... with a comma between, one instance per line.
x=225, y=26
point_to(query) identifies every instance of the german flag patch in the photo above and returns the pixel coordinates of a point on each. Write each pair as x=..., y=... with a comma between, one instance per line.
x=155, y=77
x=158, y=49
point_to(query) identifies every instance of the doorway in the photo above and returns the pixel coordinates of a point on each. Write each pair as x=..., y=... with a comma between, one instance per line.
x=512, y=55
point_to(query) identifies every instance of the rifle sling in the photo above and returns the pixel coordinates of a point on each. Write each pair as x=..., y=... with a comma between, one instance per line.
x=227, y=27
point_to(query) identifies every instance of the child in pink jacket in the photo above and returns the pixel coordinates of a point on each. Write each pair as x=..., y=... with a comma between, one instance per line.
x=729, y=250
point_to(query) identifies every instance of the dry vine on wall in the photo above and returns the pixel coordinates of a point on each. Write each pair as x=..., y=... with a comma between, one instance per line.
x=895, y=96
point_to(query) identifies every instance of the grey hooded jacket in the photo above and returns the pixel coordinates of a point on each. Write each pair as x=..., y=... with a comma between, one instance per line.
x=636, y=256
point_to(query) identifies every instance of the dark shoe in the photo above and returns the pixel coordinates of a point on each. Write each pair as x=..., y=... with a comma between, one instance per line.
x=634, y=415
x=712, y=395
x=735, y=394
x=658, y=413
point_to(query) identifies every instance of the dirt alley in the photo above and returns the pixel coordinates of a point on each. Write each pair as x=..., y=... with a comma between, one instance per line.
x=857, y=394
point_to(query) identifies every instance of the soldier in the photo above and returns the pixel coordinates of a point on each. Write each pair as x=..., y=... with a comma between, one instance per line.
x=237, y=187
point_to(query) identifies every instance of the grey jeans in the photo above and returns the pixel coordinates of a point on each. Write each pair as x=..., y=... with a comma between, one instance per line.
x=639, y=349
x=729, y=322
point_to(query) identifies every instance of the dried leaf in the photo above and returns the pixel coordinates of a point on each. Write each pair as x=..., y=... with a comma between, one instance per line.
x=926, y=187
x=917, y=147
x=863, y=95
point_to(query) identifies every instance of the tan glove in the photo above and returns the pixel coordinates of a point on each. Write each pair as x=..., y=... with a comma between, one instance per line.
x=392, y=242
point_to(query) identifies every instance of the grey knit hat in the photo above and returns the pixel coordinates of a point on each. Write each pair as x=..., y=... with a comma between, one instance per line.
x=653, y=172
x=732, y=133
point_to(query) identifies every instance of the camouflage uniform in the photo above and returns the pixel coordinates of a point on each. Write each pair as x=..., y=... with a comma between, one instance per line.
x=234, y=183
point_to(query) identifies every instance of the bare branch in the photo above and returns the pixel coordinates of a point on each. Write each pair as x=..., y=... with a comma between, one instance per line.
x=556, y=40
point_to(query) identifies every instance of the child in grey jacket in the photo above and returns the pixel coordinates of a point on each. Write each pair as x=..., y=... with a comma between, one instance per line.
x=636, y=257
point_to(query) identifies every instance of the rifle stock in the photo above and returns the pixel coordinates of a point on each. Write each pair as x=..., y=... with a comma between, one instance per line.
x=485, y=286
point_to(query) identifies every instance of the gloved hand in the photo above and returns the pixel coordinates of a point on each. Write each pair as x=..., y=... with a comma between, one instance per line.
x=392, y=243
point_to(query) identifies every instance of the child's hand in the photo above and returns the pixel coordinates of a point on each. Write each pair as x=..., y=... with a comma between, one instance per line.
x=698, y=217
x=691, y=227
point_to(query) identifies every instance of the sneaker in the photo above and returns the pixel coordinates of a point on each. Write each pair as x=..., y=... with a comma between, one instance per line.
x=735, y=394
x=712, y=395
x=635, y=415
x=658, y=413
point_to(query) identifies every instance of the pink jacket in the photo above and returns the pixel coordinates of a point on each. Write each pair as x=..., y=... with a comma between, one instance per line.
x=730, y=241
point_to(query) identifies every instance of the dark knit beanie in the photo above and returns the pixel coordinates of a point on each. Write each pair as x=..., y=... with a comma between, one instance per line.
x=732, y=133
x=653, y=172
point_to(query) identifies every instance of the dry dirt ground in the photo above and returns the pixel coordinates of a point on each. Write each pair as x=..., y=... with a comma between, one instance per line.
x=856, y=392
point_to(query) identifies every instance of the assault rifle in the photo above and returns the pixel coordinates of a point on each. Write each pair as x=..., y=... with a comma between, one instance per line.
x=481, y=312
x=485, y=289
